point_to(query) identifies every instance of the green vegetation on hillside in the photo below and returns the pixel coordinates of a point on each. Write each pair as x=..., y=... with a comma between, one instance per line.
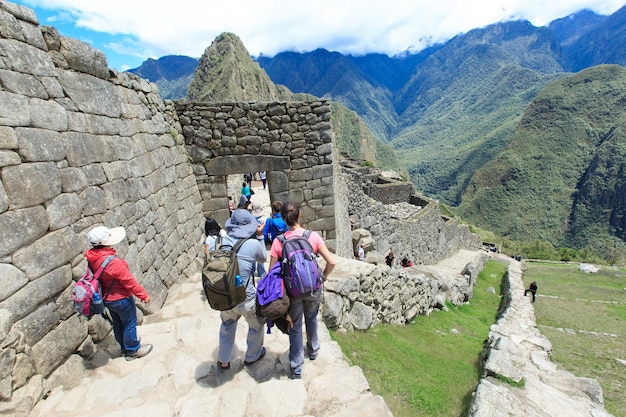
x=526, y=193
x=465, y=128
x=354, y=139
x=451, y=109
x=425, y=368
x=592, y=305
x=226, y=72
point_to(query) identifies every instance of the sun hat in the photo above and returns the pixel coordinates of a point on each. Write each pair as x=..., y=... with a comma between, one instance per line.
x=243, y=202
x=257, y=210
x=242, y=224
x=103, y=236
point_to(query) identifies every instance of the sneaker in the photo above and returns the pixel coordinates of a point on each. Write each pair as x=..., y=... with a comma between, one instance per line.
x=313, y=356
x=295, y=374
x=140, y=353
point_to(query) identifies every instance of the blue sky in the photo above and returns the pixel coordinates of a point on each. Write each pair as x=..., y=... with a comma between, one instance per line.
x=131, y=31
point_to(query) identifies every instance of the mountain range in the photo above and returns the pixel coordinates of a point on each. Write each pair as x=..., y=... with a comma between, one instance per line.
x=510, y=123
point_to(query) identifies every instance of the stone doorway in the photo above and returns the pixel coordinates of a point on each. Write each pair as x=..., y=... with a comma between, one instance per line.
x=224, y=176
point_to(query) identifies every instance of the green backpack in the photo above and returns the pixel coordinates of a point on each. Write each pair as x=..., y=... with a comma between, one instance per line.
x=220, y=273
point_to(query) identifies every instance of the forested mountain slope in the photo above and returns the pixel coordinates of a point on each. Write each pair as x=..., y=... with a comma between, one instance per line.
x=451, y=109
x=462, y=103
x=561, y=176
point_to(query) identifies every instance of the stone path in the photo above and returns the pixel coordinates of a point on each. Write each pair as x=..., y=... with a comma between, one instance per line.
x=574, y=332
x=180, y=377
x=519, y=378
x=261, y=197
x=557, y=297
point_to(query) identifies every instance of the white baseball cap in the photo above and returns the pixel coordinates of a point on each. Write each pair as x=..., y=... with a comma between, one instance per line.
x=103, y=236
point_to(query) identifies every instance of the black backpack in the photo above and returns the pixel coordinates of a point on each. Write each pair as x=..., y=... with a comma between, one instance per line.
x=219, y=275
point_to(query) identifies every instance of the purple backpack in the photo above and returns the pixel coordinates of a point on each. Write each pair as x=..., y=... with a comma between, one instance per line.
x=272, y=300
x=300, y=270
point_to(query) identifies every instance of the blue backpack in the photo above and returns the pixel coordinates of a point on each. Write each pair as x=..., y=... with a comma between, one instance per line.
x=276, y=226
x=300, y=270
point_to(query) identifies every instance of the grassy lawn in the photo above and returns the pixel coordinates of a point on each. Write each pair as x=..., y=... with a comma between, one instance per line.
x=586, y=303
x=429, y=367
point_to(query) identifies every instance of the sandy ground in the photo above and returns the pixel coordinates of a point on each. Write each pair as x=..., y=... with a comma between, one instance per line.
x=261, y=198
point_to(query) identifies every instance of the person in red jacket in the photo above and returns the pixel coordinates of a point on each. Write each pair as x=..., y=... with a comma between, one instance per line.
x=119, y=287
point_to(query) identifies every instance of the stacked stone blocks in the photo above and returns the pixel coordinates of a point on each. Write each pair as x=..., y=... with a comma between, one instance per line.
x=80, y=146
x=407, y=224
x=292, y=141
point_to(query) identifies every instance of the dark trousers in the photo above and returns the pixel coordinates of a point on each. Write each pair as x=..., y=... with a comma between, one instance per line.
x=530, y=291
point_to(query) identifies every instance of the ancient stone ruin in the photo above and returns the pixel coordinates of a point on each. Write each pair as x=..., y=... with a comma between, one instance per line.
x=83, y=145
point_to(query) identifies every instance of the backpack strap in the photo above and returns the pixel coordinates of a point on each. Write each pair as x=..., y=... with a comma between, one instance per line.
x=237, y=246
x=101, y=270
x=103, y=265
x=282, y=239
x=235, y=250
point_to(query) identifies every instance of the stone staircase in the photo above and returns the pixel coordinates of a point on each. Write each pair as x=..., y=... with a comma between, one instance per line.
x=180, y=377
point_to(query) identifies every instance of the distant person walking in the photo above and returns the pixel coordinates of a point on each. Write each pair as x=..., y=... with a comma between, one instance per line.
x=361, y=252
x=532, y=288
x=275, y=225
x=306, y=305
x=263, y=176
x=245, y=190
x=119, y=288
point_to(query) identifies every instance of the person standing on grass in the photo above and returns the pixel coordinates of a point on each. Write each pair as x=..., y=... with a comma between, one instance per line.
x=306, y=305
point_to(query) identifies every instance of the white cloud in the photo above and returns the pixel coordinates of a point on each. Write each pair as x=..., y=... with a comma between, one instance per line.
x=187, y=27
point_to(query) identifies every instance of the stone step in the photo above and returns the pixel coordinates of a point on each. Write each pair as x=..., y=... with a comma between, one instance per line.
x=180, y=376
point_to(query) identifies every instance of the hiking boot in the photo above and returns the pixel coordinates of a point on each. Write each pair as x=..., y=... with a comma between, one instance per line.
x=313, y=355
x=295, y=374
x=140, y=353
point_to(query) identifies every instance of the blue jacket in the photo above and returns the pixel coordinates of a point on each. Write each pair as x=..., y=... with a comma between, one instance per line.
x=274, y=226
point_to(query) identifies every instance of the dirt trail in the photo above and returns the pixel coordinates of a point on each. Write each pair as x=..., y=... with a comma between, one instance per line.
x=261, y=197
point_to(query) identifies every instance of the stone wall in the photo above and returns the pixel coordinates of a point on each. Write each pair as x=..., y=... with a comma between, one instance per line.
x=292, y=142
x=80, y=146
x=359, y=295
x=518, y=377
x=412, y=228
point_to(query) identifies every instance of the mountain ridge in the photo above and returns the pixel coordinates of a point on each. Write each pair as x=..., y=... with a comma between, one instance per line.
x=227, y=72
x=455, y=107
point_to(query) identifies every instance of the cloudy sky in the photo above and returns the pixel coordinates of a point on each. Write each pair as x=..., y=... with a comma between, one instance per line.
x=130, y=31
